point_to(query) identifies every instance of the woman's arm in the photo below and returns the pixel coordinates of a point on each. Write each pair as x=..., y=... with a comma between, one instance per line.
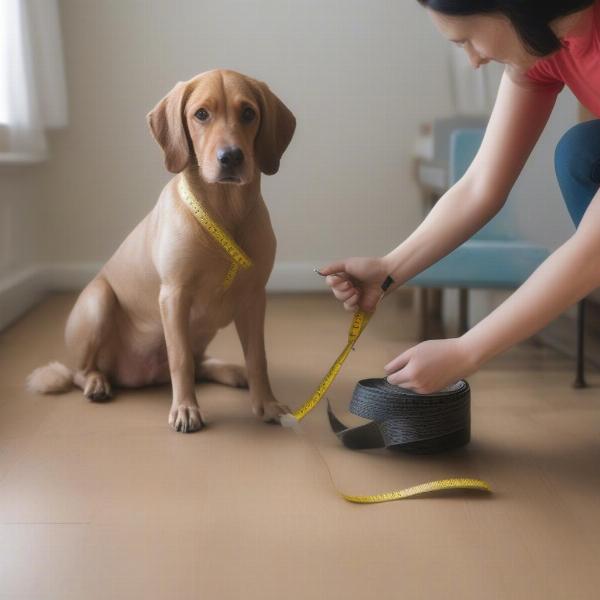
x=518, y=119
x=519, y=116
x=569, y=274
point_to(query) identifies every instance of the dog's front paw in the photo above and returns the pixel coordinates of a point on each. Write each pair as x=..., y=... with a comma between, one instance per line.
x=186, y=418
x=271, y=411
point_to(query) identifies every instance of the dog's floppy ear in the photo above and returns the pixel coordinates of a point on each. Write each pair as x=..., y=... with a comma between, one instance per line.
x=167, y=123
x=277, y=125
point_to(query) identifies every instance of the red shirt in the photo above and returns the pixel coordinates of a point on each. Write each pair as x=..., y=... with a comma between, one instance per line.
x=577, y=65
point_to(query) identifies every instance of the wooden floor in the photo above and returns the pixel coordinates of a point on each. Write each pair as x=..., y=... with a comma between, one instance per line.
x=104, y=501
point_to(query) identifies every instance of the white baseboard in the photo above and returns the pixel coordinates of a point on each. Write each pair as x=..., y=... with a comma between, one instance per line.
x=19, y=291
x=22, y=289
x=296, y=277
x=286, y=277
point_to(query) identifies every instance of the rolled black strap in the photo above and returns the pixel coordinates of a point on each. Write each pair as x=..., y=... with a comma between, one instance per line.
x=406, y=421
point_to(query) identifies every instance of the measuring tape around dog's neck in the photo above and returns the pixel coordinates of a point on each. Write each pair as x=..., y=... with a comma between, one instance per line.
x=239, y=259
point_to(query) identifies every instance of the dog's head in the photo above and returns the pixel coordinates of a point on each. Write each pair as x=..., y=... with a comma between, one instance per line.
x=224, y=123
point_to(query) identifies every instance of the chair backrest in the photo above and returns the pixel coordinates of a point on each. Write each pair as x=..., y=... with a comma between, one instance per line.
x=464, y=144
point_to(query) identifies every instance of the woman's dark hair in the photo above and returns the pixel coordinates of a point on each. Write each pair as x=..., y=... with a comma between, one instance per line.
x=530, y=18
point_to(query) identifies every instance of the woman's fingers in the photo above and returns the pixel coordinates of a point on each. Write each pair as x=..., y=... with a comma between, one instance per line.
x=345, y=295
x=400, y=373
x=342, y=288
x=352, y=302
x=398, y=363
x=403, y=378
x=336, y=267
x=337, y=281
x=341, y=284
x=399, y=378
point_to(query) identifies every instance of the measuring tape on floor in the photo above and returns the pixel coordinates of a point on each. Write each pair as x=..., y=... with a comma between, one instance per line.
x=358, y=325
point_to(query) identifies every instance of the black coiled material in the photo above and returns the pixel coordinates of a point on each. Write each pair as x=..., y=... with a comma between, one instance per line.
x=406, y=421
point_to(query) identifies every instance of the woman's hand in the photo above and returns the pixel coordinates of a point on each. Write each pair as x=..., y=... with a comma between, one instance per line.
x=357, y=281
x=431, y=366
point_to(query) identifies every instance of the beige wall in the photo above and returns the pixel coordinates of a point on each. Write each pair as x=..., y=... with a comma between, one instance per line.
x=20, y=203
x=359, y=75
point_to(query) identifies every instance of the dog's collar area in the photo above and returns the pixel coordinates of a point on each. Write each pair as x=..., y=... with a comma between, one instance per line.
x=239, y=259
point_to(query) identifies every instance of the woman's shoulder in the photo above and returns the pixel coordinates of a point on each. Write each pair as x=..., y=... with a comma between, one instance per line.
x=540, y=77
x=549, y=72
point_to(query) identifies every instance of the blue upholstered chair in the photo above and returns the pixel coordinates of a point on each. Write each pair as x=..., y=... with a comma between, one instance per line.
x=495, y=257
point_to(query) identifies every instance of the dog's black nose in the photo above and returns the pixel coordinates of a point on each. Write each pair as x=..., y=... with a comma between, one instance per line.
x=230, y=157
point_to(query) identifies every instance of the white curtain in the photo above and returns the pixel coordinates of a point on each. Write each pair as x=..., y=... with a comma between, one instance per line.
x=32, y=79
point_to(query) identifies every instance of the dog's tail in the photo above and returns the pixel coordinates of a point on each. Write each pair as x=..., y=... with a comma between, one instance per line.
x=52, y=378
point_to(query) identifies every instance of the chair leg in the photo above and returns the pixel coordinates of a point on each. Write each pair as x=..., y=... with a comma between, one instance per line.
x=424, y=316
x=580, y=368
x=436, y=310
x=463, y=303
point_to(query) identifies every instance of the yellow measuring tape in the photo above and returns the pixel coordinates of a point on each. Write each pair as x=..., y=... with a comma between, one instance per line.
x=239, y=259
x=358, y=325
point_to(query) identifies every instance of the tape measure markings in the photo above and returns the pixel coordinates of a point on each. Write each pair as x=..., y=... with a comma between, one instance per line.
x=239, y=259
x=357, y=326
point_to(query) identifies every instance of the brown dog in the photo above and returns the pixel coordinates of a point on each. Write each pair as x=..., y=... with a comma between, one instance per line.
x=150, y=313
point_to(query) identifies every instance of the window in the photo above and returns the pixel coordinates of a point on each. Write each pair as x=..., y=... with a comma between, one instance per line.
x=32, y=85
x=3, y=69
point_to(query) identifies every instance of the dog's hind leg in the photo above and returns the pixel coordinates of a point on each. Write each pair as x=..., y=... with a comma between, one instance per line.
x=90, y=326
x=219, y=371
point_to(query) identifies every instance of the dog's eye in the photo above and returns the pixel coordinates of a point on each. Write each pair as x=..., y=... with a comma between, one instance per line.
x=248, y=114
x=201, y=114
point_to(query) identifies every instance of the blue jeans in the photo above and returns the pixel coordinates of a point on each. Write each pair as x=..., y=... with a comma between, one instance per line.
x=577, y=163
